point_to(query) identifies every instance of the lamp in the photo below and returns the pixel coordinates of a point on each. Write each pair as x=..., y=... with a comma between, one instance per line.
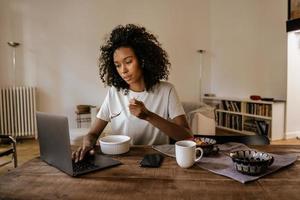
x=14, y=46
x=201, y=51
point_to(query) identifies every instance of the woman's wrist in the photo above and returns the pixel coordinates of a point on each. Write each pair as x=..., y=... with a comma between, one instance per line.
x=148, y=115
x=89, y=140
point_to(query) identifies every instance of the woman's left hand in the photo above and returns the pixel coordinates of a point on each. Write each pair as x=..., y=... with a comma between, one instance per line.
x=138, y=109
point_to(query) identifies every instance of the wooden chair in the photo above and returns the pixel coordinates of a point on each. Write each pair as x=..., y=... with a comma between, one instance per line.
x=8, y=147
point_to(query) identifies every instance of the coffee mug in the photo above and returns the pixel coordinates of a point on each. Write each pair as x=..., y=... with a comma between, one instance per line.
x=185, y=151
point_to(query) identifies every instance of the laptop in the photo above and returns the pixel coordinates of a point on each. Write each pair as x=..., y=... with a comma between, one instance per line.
x=55, y=148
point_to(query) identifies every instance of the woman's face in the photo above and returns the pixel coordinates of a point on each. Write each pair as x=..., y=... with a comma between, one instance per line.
x=128, y=66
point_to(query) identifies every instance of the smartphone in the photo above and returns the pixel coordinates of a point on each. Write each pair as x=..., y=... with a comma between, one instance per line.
x=151, y=160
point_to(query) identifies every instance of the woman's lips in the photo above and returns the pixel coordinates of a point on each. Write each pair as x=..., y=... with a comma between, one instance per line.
x=127, y=78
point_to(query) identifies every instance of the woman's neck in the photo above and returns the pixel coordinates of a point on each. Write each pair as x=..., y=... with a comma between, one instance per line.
x=137, y=87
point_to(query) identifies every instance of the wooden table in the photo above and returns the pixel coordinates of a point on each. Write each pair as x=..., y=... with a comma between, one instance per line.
x=37, y=180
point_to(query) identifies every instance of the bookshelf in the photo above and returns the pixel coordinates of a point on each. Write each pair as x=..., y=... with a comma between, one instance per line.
x=249, y=117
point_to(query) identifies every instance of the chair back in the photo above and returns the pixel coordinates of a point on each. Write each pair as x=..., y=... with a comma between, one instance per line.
x=8, y=148
x=245, y=139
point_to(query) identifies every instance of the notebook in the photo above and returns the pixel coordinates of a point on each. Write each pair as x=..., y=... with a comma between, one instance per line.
x=55, y=148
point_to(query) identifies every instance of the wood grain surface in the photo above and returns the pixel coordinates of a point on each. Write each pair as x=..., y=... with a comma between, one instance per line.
x=37, y=180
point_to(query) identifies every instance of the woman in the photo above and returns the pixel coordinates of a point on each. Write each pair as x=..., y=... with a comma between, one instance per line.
x=138, y=104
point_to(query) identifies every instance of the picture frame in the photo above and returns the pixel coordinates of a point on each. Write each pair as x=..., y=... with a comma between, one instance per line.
x=293, y=9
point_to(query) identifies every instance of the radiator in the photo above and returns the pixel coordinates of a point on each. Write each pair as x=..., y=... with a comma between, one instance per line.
x=18, y=111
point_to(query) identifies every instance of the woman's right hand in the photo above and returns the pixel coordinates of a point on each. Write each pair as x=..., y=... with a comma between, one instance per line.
x=87, y=147
x=89, y=140
x=81, y=152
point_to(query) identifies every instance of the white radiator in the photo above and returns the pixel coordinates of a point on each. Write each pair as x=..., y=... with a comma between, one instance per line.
x=17, y=112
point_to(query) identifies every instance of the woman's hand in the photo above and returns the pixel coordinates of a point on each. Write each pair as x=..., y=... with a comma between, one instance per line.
x=178, y=128
x=89, y=140
x=80, y=153
x=138, y=109
x=87, y=147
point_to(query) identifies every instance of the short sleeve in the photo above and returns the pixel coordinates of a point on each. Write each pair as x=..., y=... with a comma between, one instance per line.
x=104, y=110
x=174, y=106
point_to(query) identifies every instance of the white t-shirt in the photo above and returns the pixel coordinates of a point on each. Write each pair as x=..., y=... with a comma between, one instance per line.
x=163, y=101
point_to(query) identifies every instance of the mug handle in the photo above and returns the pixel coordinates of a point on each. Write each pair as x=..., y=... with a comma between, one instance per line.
x=201, y=150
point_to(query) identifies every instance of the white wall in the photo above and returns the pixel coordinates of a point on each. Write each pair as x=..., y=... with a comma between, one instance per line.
x=245, y=46
x=293, y=86
x=60, y=41
x=248, y=48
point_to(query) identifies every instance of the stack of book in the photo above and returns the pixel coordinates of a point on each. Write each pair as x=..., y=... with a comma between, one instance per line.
x=262, y=127
x=233, y=106
x=229, y=120
x=259, y=109
x=250, y=125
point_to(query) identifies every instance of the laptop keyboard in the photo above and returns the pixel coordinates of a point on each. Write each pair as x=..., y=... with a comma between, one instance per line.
x=83, y=166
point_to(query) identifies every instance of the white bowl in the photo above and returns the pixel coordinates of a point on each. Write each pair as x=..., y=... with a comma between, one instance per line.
x=115, y=144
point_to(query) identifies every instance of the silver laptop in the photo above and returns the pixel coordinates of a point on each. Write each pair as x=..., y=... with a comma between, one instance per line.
x=55, y=148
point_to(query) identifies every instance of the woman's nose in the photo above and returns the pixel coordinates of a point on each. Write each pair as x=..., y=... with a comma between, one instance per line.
x=123, y=69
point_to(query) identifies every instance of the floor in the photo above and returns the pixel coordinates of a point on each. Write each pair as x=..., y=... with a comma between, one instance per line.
x=294, y=141
x=29, y=148
x=26, y=150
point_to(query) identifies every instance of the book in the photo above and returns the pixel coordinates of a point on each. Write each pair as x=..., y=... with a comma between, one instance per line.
x=262, y=127
x=259, y=130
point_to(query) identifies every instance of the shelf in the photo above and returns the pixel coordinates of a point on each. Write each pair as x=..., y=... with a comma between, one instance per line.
x=237, y=131
x=250, y=117
x=257, y=116
x=242, y=100
x=230, y=129
x=230, y=112
x=248, y=133
x=244, y=114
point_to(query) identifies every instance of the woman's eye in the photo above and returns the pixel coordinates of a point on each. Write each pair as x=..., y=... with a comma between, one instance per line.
x=128, y=62
x=117, y=65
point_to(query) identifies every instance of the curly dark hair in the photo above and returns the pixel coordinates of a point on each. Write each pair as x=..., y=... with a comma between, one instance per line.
x=151, y=57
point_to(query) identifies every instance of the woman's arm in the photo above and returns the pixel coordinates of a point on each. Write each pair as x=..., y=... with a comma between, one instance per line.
x=95, y=131
x=90, y=139
x=177, y=129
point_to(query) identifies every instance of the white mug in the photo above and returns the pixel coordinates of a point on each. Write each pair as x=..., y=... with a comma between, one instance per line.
x=185, y=151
